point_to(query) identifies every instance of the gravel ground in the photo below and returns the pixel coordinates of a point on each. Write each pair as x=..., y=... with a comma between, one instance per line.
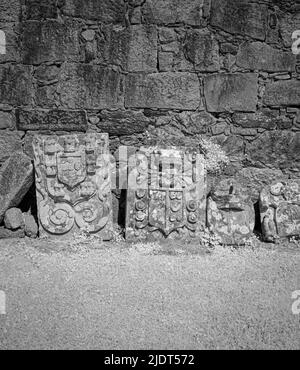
x=86, y=295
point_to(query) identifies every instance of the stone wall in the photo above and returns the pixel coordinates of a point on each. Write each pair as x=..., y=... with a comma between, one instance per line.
x=219, y=68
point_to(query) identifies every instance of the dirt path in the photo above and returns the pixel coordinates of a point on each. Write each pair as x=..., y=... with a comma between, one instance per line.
x=136, y=298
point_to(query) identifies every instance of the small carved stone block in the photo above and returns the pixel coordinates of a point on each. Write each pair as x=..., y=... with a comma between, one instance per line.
x=230, y=213
x=280, y=210
x=73, y=184
x=166, y=196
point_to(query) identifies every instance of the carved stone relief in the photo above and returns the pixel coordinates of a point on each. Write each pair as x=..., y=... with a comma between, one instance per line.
x=230, y=213
x=280, y=210
x=166, y=196
x=73, y=184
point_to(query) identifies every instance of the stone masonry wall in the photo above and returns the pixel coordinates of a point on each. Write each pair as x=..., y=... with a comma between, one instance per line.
x=219, y=68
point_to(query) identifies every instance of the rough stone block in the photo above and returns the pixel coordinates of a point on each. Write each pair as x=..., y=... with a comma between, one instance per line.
x=142, y=55
x=193, y=123
x=10, y=10
x=260, y=56
x=15, y=84
x=12, y=46
x=7, y=120
x=166, y=196
x=174, y=11
x=13, y=219
x=40, y=9
x=9, y=143
x=266, y=119
x=90, y=87
x=282, y=93
x=106, y=11
x=163, y=90
x=133, y=48
x=53, y=120
x=201, y=49
x=51, y=41
x=231, y=92
x=73, y=182
x=288, y=24
x=240, y=17
x=31, y=228
x=118, y=123
x=280, y=210
x=16, y=178
x=230, y=213
x=279, y=149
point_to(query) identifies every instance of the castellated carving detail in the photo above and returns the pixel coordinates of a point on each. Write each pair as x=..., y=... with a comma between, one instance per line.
x=73, y=184
x=166, y=196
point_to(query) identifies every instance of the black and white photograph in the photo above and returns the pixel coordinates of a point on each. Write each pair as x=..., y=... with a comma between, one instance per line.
x=149, y=178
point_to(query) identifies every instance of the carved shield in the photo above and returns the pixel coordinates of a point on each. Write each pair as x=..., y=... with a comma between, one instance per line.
x=166, y=212
x=71, y=168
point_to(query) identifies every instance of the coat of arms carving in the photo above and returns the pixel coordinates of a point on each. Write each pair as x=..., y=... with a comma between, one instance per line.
x=73, y=184
x=166, y=196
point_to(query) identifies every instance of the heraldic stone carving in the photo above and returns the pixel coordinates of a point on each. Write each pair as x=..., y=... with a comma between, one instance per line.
x=230, y=213
x=166, y=196
x=73, y=184
x=280, y=210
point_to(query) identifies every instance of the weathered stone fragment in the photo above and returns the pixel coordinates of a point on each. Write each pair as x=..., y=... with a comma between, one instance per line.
x=15, y=84
x=174, y=11
x=240, y=17
x=9, y=143
x=53, y=120
x=73, y=181
x=51, y=41
x=280, y=210
x=90, y=87
x=266, y=119
x=166, y=196
x=16, y=178
x=40, y=9
x=202, y=50
x=282, y=93
x=9, y=234
x=163, y=90
x=13, y=219
x=230, y=213
x=261, y=56
x=106, y=11
x=31, y=228
x=10, y=10
x=125, y=122
x=279, y=149
x=231, y=92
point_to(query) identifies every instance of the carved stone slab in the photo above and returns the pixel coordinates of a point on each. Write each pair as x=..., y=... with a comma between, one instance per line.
x=166, y=196
x=73, y=184
x=280, y=210
x=230, y=213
